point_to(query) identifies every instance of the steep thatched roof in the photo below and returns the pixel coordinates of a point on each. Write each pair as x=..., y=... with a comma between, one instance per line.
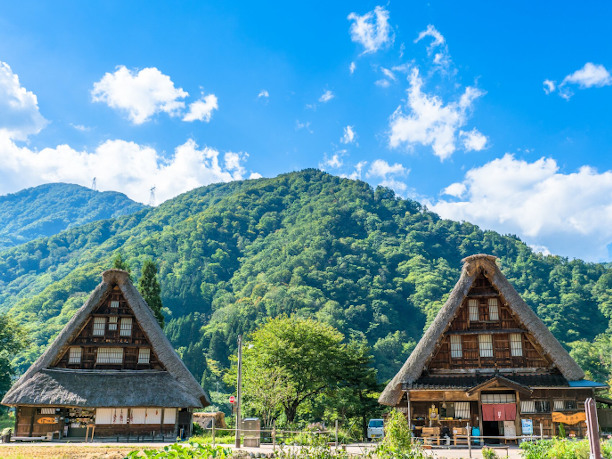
x=425, y=349
x=166, y=354
x=102, y=388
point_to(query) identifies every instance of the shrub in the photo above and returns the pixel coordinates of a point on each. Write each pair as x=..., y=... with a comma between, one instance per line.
x=488, y=453
x=397, y=442
x=183, y=450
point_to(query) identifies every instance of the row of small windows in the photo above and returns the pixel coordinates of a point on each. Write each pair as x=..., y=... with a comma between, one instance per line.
x=109, y=355
x=543, y=406
x=474, y=310
x=485, y=345
x=125, y=326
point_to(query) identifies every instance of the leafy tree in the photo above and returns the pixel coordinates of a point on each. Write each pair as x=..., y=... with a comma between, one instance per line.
x=120, y=263
x=150, y=290
x=300, y=358
x=12, y=340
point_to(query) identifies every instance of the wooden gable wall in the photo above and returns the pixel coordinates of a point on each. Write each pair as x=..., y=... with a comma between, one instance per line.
x=500, y=330
x=89, y=343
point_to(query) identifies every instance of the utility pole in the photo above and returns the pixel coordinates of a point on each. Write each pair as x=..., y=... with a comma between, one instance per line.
x=239, y=392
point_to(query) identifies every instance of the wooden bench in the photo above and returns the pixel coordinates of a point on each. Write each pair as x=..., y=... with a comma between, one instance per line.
x=431, y=433
x=459, y=432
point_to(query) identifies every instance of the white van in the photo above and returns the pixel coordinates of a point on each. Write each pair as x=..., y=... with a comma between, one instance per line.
x=376, y=429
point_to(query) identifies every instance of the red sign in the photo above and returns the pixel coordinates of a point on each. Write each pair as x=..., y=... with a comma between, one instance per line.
x=232, y=399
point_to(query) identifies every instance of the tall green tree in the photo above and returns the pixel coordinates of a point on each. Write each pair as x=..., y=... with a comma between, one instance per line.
x=12, y=340
x=149, y=288
x=290, y=360
x=120, y=263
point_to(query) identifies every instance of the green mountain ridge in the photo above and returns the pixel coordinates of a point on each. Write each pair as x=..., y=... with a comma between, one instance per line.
x=231, y=255
x=48, y=209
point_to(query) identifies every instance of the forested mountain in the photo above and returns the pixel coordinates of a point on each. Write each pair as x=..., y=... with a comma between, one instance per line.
x=230, y=255
x=48, y=209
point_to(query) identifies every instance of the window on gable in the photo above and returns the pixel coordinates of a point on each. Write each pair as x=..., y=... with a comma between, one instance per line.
x=493, y=309
x=126, y=327
x=516, y=344
x=485, y=344
x=114, y=304
x=109, y=355
x=144, y=355
x=112, y=323
x=75, y=355
x=456, y=350
x=473, y=310
x=99, y=325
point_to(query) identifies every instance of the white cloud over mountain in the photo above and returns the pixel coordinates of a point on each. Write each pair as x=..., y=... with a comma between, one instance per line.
x=121, y=166
x=428, y=121
x=371, y=30
x=568, y=213
x=19, y=113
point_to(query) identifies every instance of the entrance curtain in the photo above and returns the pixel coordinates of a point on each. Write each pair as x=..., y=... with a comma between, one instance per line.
x=498, y=412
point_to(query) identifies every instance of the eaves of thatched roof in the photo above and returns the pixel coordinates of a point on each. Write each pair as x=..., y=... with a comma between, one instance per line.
x=427, y=346
x=166, y=354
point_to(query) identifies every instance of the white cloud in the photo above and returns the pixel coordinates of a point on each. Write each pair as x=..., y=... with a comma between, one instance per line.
x=437, y=48
x=119, y=165
x=141, y=94
x=372, y=30
x=549, y=86
x=381, y=168
x=473, y=140
x=201, y=110
x=429, y=121
x=388, y=174
x=382, y=83
x=589, y=76
x=334, y=162
x=255, y=175
x=326, y=96
x=352, y=67
x=570, y=214
x=357, y=172
x=349, y=135
x=19, y=114
x=263, y=93
x=388, y=73
x=455, y=189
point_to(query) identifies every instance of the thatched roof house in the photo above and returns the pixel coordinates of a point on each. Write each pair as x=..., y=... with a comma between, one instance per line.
x=111, y=366
x=487, y=340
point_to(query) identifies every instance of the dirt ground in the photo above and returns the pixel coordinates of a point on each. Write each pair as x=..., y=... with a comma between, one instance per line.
x=74, y=451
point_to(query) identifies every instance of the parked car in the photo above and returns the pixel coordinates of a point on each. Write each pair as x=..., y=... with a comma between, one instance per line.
x=376, y=429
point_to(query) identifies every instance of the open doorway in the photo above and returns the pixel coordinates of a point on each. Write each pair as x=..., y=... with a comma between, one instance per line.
x=491, y=429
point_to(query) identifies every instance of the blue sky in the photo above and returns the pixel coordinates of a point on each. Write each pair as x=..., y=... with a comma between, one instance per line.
x=492, y=113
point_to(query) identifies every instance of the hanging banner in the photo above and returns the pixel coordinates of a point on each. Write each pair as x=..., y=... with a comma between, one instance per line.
x=46, y=421
x=570, y=419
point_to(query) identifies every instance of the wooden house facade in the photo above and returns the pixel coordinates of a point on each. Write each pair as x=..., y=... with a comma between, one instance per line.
x=111, y=367
x=489, y=362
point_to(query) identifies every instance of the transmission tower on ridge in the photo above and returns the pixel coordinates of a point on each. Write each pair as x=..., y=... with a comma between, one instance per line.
x=152, y=197
x=93, y=184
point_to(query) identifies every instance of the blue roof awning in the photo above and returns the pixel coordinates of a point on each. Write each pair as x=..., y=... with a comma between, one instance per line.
x=587, y=383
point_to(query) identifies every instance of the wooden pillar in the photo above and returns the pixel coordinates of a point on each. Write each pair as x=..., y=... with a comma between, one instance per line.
x=161, y=423
x=32, y=421
x=517, y=419
x=480, y=417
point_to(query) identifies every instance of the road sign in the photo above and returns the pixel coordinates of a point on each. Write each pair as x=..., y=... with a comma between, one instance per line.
x=232, y=399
